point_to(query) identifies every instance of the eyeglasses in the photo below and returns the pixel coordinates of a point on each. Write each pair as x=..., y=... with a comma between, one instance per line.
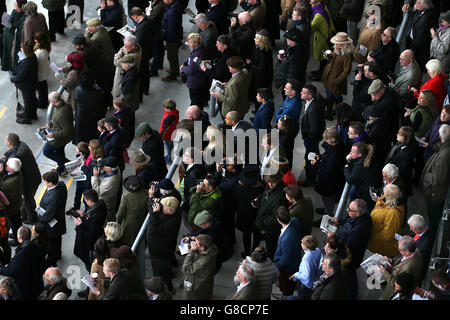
x=351, y=210
x=385, y=35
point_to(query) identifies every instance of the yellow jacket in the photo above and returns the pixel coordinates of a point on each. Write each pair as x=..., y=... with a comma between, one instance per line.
x=386, y=222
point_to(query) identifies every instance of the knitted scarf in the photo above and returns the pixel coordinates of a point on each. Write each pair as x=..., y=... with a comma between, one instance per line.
x=320, y=9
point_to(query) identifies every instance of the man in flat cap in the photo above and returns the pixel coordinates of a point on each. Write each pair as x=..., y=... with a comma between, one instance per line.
x=384, y=99
x=235, y=96
x=106, y=182
x=101, y=39
x=129, y=82
x=162, y=233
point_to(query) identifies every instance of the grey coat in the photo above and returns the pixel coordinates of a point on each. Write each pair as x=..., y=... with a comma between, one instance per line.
x=266, y=274
x=440, y=48
x=408, y=76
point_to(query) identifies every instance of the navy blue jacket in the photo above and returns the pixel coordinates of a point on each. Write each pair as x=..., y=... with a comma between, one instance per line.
x=196, y=78
x=264, y=115
x=154, y=147
x=330, y=175
x=171, y=25
x=113, y=145
x=288, y=254
x=218, y=14
x=355, y=232
x=54, y=203
x=25, y=269
x=26, y=78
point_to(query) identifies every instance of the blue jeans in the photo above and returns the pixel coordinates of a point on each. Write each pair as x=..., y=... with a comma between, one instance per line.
x=169, y=148
x=158, y=55
x=334, y=97
x=56, y=154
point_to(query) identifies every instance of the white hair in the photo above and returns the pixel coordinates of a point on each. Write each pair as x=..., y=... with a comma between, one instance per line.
x=434, y=66
x=416, y=221
x=15, y=164
x=247, y=272
x=391, y=170
x=444, y=132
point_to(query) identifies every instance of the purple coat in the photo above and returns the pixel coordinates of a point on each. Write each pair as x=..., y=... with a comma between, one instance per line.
x=432, y=137
x=196, y=78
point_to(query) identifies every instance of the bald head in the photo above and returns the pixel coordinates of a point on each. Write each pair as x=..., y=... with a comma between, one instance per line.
x=406, y=57
x=54, y=97
x=244, y=18
x=52, y=275
x=193, y=112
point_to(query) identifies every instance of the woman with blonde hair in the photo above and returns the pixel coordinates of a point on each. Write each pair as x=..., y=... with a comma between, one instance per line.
x=261, y=66
x=196, y=79
x=217, y=142
x=422, y=116
x=334, y=77
x=387, y=221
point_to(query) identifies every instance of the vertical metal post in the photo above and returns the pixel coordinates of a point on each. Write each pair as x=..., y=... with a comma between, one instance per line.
x=343, y=200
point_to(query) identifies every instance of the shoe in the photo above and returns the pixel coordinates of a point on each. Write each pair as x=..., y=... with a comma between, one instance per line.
x=13, y=242
x=305, y=183
x=23, y=120
x=84, y=293
x=169, y=78
x=320, y=211
x=276, y=296
x=63, y=174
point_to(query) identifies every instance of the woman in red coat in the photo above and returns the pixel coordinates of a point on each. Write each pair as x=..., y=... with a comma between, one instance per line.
x=436, y=83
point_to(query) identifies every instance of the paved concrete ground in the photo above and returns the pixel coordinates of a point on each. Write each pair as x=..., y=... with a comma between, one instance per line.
x=150, y=111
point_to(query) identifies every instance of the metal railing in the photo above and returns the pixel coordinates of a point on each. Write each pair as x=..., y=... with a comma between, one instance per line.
x=213, y=106
x=440, y=255
x=51, y=107
x=139, y=243
x=401, y=31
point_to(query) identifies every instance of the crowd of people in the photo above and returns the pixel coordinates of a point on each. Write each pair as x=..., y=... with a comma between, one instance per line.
x=390, y=143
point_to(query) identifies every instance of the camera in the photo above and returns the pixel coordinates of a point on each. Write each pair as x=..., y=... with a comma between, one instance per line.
x=391, y=75
x=358, y=69
x=199, y=61
x=96, y=163
x=256, y=202
x=73, y=213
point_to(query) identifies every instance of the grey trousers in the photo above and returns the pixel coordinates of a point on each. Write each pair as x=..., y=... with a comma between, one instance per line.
x=172, y=57
x=352, y=31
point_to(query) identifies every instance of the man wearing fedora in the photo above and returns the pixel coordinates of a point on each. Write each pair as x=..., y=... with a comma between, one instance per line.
x=145, y=169
x=162, y=233
x=133, y=209
x=153, y=146
x=293, y=64
x=334, y=77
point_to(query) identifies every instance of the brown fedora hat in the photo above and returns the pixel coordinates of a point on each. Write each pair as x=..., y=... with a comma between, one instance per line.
x=139, y=159
x=341, y=37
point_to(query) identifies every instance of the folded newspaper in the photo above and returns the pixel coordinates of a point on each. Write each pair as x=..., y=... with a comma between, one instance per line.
x=42, y=133
x=74, y=169
x=371, y=264
x=87, y=280
x=327, y=225
x=126, y=31
x=217, y=86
